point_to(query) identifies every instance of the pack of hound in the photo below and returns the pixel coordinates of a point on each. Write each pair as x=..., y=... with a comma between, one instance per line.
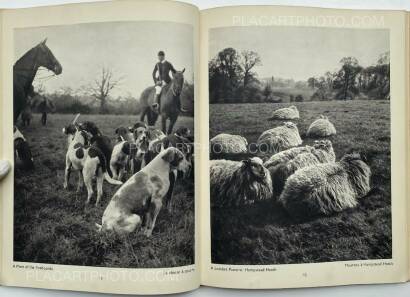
x=143, y=161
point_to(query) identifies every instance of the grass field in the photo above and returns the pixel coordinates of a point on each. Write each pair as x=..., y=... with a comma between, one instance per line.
x=265, y=234
x=53, y=225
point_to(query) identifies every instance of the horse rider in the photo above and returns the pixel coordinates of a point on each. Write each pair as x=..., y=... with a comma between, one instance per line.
x=163, y=68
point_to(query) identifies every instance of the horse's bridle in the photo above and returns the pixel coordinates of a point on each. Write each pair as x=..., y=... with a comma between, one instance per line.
x=174, y=92
x=35, y=68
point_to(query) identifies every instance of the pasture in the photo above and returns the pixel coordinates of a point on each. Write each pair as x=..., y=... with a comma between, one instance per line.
x=265, y=234
x=52, y=225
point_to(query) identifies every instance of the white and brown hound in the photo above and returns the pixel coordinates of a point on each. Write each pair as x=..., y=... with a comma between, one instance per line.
x=89, y=161
x=123, y=157
x=120, y=159
x=143, y=193
x=181, y=140
x=144, y=142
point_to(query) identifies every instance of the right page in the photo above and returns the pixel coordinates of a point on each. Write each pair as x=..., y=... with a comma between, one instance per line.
x=304, y=182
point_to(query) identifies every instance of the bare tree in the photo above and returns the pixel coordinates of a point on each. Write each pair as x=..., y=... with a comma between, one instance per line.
x=249, y=59
x=102, y=87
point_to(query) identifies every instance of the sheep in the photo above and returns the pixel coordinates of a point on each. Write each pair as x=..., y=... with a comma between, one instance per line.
x=321, y=152
x=287, y=113
x=286, y=155
x=322, y=127
x=279, y=138
x=235, y=183
x=229, y=144
x=328, y=188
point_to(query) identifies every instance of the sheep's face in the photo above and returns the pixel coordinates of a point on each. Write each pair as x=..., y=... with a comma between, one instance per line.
x=349, y=158
x=255, y=167
x=325, y=145
x=290, y=125
x=323, y=117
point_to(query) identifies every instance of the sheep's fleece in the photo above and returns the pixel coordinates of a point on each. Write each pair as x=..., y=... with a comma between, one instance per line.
x=279, y=138
x=327, y=188
x=287, y=113
x=229, y=144
x=322, y=127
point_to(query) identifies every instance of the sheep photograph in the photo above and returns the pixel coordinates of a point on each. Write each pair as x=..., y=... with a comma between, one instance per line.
x=299, y=131
x=90, y=187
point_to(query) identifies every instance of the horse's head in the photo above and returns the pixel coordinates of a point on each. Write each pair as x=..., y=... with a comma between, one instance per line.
x=46, y=58
x=178, y=82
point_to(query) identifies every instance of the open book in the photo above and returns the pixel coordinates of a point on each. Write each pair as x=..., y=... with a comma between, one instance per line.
x=158, y=148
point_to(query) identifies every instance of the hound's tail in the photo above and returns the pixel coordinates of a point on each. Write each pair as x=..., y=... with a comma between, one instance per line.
x=96, y=152
x=112, y=181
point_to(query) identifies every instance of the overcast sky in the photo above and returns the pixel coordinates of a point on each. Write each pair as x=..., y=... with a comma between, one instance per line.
x=301, y=52
x=129, y=48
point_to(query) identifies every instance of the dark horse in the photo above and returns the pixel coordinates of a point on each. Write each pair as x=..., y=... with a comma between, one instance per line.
x=168, y=103
x=25, y=70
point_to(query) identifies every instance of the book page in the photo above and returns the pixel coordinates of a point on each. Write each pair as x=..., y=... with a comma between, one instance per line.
x=408, y=132
x=92, y=203
x=307, y=116
x=1, y=104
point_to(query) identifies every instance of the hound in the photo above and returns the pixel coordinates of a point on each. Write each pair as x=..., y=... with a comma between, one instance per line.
x=123, y=154
x=124, y=134
x=89, y=161
x=22, y=149
x=145, y=141
x=99, y=141
x=120, y=159
x=180, y=140
x=137, y=129
x=143, y=193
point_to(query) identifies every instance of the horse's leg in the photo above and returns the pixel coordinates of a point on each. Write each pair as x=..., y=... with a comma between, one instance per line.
x=164, y=123
x=143, y=114
x=172, y=122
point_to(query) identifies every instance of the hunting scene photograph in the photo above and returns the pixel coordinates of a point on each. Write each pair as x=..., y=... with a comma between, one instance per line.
x=104, y=144
x=300, y=161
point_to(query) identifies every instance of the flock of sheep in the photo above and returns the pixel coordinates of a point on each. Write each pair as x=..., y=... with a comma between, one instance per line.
x=306, y=180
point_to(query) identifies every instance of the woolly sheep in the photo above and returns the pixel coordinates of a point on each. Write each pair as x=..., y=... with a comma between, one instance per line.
x=287, y=113
x=321, y=152
x=279, y=138
x=229, y=144
x=286, y=155
x=235, y=183
x=322, y=127
x=327, y=188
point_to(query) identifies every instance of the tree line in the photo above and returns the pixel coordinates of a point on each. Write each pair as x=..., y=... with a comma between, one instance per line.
x=96, y=97
x=233, y=79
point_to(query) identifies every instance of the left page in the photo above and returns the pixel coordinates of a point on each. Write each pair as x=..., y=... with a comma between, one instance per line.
x=91, y=204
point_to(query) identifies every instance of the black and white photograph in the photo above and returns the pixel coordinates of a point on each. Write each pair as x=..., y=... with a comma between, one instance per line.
x=300, y=160
x=103, y=139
